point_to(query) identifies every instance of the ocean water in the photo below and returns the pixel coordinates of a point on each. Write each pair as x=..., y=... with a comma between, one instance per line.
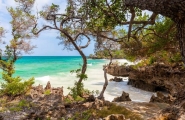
x=56, y=69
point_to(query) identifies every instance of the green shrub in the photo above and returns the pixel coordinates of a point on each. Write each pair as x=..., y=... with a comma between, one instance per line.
x=16, y=86
x=76, y=90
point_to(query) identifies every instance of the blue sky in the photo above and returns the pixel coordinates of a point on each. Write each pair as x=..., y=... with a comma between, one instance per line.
x=47, y=44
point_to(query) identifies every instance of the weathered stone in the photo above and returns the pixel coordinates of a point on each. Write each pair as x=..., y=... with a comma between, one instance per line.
x=123, y=97
x=115, y=117
x=90, y=98
x=162, y=98
x=116, y=79
x=88, y=104
x=48, y=86
x=98, y=103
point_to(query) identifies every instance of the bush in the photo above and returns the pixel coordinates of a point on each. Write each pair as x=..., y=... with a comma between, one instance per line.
x=16, y=86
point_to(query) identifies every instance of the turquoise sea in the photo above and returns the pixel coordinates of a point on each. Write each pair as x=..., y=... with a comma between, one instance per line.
x=39, y=66
x=56, y=69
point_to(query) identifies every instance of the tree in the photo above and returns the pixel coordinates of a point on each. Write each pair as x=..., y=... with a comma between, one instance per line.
x=70, y=26
x=172, y=9
x=21, y=32
x=105, y=15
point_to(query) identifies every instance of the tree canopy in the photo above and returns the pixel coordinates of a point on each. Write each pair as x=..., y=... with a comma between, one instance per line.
x=104, y=18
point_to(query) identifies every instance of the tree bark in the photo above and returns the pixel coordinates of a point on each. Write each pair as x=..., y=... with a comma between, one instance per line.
x=181, y=37
x=101, y=96
x=84, y=66
x=169, y=8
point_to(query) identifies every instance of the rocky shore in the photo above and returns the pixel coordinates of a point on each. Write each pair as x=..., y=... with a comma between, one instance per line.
x=50, y=104
x=158, y=78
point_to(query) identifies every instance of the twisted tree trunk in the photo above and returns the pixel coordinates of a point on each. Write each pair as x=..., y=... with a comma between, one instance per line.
x=181, y=38
x=84, y=67
x=101, y=96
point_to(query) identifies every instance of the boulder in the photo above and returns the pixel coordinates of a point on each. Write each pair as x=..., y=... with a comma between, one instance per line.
x=98, y=103
x=161, y=98
x=115, y=117
x=123, y=97
x=116, y=79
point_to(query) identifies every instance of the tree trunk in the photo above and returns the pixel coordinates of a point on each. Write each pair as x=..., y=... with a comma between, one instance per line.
x=169, y=8
x=101, y=96
x=181, y=37
x=84, y=67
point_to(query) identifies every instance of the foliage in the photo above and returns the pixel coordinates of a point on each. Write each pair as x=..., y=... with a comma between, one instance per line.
x=16, y=87
x=78, y=74
x=20, y=105
x=158, y=44
x=85, y=115
x=78, y=88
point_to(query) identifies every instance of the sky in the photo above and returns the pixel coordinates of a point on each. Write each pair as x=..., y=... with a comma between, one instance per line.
x=46, y=43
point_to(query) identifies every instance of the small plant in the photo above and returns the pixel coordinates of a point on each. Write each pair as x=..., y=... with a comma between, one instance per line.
x=78, y=89
x=47, y=92
x=152, y=60
x=19, y=106
x=85, y=115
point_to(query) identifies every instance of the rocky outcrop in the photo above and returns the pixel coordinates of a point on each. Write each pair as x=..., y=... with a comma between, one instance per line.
x=116, y=79
x=161, y=98
x=157, y=77
x=39, y=104
x=123, y=97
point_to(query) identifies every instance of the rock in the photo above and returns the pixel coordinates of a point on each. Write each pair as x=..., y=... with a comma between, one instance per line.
x=172, y=113
x=98, y=103
x=37, y=92
x=90, y=98
x=115, y=117
x=123, y=97
x=116, y=79
x=162, y=98
x=156, y=77
x=48, y=86
x=88, y=104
